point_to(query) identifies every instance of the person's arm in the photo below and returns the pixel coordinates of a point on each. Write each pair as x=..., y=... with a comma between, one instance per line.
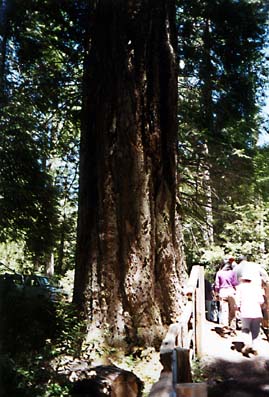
x=217, y=283
x=234, y=280
x=261, y=296
x=264, y=275
x=238, y=298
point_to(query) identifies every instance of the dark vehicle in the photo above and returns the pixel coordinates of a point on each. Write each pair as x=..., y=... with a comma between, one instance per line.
x=38, y=286
x=11, y=284
x=31, y=286
x=15, y=280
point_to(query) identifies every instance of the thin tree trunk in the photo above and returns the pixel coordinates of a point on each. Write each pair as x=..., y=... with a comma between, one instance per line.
x=208, y=125
x=208, y=232
x=60, y=262
x=129, y=266
x=4, y=28
x=261, y=227
x=49, y=271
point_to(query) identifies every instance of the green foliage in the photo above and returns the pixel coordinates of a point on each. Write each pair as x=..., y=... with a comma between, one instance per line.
x=198, y=371
x=34, y=336
x=71, y=331
x=40, y=83
x=12, y=255
x=261, y=167
x=222, y=174
x=57, y=390
x=26, y=324
x=246, y=233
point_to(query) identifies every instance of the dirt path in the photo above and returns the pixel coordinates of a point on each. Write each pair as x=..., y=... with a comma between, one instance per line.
x=229, y=373
x=220, y=347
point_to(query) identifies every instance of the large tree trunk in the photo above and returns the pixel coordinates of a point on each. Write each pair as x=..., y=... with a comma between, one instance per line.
x=129, y=266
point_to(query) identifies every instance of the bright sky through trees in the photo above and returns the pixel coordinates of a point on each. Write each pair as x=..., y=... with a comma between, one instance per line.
x=264, y=135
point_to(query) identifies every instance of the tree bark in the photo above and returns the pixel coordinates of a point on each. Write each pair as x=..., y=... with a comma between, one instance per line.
x=129, y=266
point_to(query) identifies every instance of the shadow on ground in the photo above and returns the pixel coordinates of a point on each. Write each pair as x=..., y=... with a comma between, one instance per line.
x=247, y=378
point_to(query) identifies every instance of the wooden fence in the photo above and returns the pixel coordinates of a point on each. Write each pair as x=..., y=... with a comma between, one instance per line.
x=184, y=339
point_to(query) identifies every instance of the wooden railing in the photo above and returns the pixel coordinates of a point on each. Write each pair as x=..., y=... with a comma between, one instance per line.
x=184, y=339
x=188, y=331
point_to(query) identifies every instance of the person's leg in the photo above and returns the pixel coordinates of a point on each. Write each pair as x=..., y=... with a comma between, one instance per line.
x=255, y=331
x=232, y=312
x=214, y=311
x=224, y=312
x=208, y=309
x=246, y=334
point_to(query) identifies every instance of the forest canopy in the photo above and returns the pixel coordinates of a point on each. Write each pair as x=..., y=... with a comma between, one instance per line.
x=222, y=47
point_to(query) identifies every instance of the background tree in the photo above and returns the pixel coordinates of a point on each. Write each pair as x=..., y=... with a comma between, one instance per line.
x=129, y=267
x=41, y=62
x=221, y=45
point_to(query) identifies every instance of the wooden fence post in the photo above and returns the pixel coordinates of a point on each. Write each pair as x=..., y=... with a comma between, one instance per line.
x=182, y=338
x=183, y=367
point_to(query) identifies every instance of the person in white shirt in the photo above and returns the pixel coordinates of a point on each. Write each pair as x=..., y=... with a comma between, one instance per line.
x=256, y=270
x=249, y=299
